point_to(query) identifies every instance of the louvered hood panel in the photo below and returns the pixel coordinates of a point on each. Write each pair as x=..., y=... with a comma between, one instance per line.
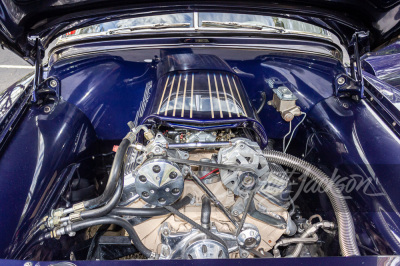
x=200, y=87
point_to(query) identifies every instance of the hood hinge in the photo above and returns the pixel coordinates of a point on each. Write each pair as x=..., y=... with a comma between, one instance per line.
x=353, y=85
x=38, y=52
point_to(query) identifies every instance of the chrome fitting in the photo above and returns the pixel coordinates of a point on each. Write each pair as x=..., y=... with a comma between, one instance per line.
x=78, y=207
x=75, y=217
x=139, y=147
x=131, y=136
x=58, y=212
x=148, y=135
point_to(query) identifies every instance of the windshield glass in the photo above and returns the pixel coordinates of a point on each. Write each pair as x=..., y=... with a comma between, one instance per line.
x=202, y=21
x=288, y=24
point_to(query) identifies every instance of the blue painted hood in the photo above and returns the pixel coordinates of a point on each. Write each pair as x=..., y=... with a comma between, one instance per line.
x=22, y=22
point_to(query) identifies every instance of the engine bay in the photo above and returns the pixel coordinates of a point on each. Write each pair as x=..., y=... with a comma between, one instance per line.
x=197, y=176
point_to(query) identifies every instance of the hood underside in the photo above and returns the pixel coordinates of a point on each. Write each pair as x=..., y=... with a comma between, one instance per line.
x=23, y=21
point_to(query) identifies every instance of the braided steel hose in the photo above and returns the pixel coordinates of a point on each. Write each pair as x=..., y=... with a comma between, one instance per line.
x=347, y=235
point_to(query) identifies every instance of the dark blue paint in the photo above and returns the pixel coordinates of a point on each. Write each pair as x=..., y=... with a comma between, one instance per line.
x=100, y=93
x=106, y=88
x=357, y=143
x=385, y=64
x=34, y=166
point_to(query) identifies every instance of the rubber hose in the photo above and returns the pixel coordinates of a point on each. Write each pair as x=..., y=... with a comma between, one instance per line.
x=347, y=235
x=113, y=179
x=205, y=212
x=105, y=209
x=151, y=212
x=74, y=227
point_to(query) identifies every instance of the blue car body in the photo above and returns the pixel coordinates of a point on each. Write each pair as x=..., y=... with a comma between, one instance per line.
x=100, y=86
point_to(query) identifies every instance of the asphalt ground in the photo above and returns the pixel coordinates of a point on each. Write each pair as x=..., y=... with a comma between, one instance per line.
x=12, y=68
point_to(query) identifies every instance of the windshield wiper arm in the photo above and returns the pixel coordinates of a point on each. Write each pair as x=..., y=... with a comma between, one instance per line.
x=150, y=26
x=237, y=25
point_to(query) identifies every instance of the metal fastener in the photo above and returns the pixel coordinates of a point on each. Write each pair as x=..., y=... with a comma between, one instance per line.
x=47, y=109
x=53, y=83
x=394, y=124
x=173, y=175
x=156, y=168
x=341, y=80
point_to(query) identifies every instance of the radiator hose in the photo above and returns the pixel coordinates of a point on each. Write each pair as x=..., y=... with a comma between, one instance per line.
x=347, y=235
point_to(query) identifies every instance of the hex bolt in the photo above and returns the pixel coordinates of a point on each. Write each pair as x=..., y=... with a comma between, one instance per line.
x=341, y=80
x=142, y=178
x=161, y=200
x=167, y=189
x=47, y=109
x=394, y=124
x=173, y=175
x=156, y=168
x=175, y=191
x=28, y=263
x=53, y=83
x=346, y=105
x=235, y=213
x=145, y=194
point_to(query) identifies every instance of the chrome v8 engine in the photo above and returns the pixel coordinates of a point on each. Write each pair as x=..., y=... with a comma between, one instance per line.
x=227, y=181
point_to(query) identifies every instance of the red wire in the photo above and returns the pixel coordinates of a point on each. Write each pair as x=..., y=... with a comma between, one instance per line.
x=213, y=171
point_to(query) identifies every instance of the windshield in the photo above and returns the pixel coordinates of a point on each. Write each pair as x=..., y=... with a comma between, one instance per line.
x=202, y=21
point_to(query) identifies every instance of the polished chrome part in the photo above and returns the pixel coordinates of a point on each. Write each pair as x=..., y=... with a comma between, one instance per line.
x=242, y=153
x=180, y=244
x=249, y=237
x=226, y=98
x=284, y=101
x=206, y=249
x=219, y=101
x=184, y=96
x=233, y=95
x=163, y=94
x=169, y=96
x=201, y=136
x=196, y=145
x=159, y=182
x=177, y=95
x=219, y=166
x=240, y=98
x=211, y=103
